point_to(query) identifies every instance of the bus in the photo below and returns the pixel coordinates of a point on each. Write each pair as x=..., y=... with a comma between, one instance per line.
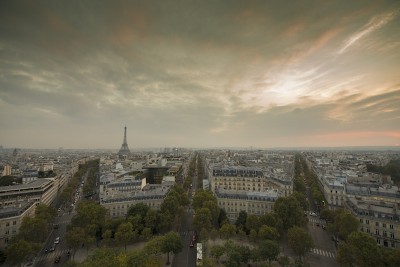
x=199, y=254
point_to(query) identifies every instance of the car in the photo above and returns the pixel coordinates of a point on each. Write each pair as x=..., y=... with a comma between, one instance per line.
x=52, y=248
x=191, y=244
x=313, y=214
x=323, y=227
x=57, y=240
x=317, y=224
x=57, y=260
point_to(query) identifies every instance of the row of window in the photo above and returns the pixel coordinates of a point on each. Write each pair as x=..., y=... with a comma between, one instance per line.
x=9, y=223
x=240, y=204
x=378, y=224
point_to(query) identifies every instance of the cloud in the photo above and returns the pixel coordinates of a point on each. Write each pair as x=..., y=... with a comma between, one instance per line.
x=193, y=74
x=374, y=24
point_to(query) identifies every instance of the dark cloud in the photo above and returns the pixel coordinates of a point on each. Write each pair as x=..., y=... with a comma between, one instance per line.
x=197, y=73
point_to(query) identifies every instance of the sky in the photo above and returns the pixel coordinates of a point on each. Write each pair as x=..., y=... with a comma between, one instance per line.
x=199, y=73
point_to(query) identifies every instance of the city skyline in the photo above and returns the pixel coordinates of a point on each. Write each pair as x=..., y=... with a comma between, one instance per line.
x=199, y=74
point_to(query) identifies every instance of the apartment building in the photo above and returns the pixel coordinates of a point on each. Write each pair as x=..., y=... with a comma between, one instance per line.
x=118, y=202
x=11, y=219
x=380, y=219
x=258, y=203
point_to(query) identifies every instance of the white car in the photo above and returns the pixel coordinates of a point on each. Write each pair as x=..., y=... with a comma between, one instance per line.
x=313, y=214
x=57, y=240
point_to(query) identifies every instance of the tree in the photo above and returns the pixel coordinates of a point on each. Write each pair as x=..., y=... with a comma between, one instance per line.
x=241, y=220
x=360, y=250
x=75, y=237
x=202, y=219
x=301, y=198
x=45, y=213
x=106, y=257
x=222, y=218
x=269, y=219
x=172, y=242
x=107, y=237
x=217, y=251
x=164, y=222
x=33, y=229
x=19, y=252
x=267, y=232
x=7, y=180
x=268, y=250
x=227, y=231
x=138, y=209
x=146, y=233
x=125, y=233
x=214, y=209
x=201, y=197
x=300, y=241
x=150, y=220
x=345, y=223
x=153, y=246
x=289, y=212
x=253, y=222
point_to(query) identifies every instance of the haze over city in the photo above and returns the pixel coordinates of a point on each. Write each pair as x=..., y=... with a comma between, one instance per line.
x=199, y=73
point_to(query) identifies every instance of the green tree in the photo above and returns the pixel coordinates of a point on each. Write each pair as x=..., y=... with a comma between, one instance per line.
x=241, y=220
x=268, y=250
x=75, y=237
x=267, y=232
x=227, y=231
x=125, y=233
x=138, y=209
x=164, y=222
x=107, y=237
x=46, y=213
x=7, y=180
x=153, y=246
x=222, y=218
x=214, y=209
x=289, y=212
x=345, y=223
x=217, y=251
x=146, y=233
x=106, y=257
x=300, y=241
x=253, y=222
x=253, y=235
x=150, y=220
x=360, y=250
x=33, y=230
x=269, y=219
x=172, y=242
x=391, y=257
x=202, y=219
x=19, y=252
x=301, y=198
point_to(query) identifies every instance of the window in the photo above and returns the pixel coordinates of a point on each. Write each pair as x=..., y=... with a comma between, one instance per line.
x=14, y=222
x=391, y=226
x=377, y=231
x=384, y=225
x=367, y=221
x=392, y=235
x=377, y=224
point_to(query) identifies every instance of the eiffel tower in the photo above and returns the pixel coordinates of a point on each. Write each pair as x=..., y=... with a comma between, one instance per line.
x=124, y=148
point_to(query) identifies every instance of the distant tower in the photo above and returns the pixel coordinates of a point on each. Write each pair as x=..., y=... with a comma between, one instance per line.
x=124, y=148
